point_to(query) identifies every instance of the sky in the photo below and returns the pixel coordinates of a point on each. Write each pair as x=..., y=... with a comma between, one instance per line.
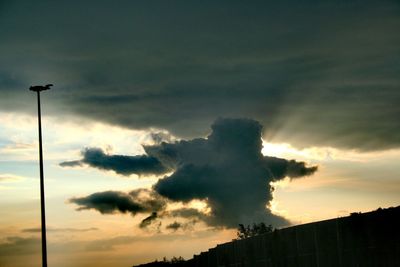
x=171, y=122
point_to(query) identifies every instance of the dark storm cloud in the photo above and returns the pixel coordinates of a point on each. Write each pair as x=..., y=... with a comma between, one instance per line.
x=125, y=165
x=227, y=170
x=108, y=202
x=313, y=72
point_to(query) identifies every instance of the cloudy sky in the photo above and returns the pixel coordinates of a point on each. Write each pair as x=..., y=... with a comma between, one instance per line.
x=170, y=122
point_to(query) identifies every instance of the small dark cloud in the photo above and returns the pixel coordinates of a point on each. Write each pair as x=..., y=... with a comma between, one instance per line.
x=280, y=168
x=174, y=226
x=56, y=230
x=124, y=165
x=72, y=163
x=108, y=202
x=148, y=220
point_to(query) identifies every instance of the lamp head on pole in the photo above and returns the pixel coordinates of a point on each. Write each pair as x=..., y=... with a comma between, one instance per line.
x=38, y=88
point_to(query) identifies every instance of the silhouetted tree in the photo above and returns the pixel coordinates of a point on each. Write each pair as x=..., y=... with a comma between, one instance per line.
x=177, y=259
x=256, y=229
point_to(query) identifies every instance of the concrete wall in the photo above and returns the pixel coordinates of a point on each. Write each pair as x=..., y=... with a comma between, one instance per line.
x=369, y=239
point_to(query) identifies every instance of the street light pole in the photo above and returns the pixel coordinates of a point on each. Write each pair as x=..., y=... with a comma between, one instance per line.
x=38, y=89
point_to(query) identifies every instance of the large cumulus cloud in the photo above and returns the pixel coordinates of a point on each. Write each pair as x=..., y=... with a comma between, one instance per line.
x=227, y=170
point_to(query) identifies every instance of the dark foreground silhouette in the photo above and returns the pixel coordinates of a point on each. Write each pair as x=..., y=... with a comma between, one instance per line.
x=361, y=239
